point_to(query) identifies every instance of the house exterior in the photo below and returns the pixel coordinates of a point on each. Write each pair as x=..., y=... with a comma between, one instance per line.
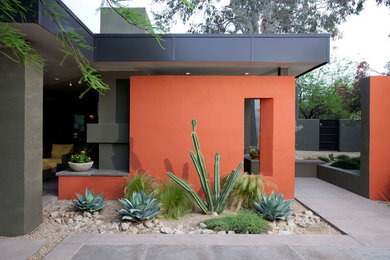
x=144, y=121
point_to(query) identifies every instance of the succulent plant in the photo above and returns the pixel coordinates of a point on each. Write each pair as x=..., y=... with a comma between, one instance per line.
x=139, y=207
x=89, y=202
x=214, y=202
x=273, y=207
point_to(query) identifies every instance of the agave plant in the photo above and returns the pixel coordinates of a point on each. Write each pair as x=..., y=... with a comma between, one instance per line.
x=214, y=202
x=273, y=207
x=139, y=207
x=89, y=202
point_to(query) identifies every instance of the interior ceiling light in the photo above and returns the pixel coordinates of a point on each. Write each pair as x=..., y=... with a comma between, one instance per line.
x=56, y=79
x=70, y=83
x=246, y=73
x=188, y=73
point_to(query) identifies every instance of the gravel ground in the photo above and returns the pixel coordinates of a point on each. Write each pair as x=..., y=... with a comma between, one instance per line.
x=315, y=154
x=60, y=220
x=386, y=203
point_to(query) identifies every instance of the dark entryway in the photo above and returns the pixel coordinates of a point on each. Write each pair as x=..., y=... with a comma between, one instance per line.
x=329, y=135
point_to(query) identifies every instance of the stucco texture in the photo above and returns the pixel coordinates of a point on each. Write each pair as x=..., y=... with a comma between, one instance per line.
x=379, y=138
x=161, y=109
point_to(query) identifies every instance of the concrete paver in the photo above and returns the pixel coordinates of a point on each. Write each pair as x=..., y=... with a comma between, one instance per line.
x=364, y=220
x=118, y=246
x=19, y=249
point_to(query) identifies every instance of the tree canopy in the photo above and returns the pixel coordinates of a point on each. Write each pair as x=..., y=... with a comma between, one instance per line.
x=264, y=16
x=331, y=92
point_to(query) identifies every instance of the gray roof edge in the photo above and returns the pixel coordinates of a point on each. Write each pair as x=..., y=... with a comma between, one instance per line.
x=241, y=36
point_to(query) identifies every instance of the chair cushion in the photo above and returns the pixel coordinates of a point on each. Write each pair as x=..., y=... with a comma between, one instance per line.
x=60, y=149
x=49, y=163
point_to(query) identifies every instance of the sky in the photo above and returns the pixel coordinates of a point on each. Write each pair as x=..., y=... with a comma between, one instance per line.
x=364, y=36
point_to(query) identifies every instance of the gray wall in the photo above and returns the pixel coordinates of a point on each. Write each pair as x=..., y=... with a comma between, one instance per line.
x=349, y=135
x=112, y=131
x=308, y=138
x=346, y=179
x=21, y=94
x=306, y=168
x=365, y=136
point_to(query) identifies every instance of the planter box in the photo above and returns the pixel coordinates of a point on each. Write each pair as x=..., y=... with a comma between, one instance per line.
x=306, y=168
x=346, y=179
x=110, y=182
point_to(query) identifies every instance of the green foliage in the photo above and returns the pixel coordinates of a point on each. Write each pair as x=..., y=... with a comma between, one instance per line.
x=72, y=42
x=89, y=202
x=325, y=159
x=175, y=201
x=214, y=202
x=318, y=91
x=139, y=207
x=347, y=164
x=246, y=190
x=331, y=156
x=12, y=39
x=273, y=207
x=141, y=182
x=356, y=160
x=81, y=157
x=248, y=16
x=243, y=222
x=254, y=151
x=342, y=157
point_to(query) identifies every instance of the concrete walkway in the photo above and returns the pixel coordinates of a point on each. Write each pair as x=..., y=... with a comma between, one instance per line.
x=19, y=248
x=366, y=221
x=202, y=247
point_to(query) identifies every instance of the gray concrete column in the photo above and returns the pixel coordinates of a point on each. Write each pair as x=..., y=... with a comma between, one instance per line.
x=112, y=131
x=21, y=94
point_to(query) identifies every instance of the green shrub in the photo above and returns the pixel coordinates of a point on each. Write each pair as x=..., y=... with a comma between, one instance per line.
x=342, y=157
x=325, y=159
x=175, y=201
x=356, y=160
x=347, y=164
x=254, y=151
x=273, y=207
x=243, y=222
x=246, y=189
x=331, y=157
x=141, y=182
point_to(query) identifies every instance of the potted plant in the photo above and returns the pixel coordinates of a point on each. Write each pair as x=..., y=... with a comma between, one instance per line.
x=80, y=162
x=254, y=153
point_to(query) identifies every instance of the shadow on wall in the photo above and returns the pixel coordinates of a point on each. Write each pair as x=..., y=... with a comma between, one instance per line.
x=169, y=168
x=135, y=162
x=385, y=194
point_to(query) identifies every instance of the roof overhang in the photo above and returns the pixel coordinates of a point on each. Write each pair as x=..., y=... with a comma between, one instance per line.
x=221, y=54
x=209, y=54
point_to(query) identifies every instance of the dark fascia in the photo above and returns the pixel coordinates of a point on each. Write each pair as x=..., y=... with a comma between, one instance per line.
x=282, y=49
x=243, y=48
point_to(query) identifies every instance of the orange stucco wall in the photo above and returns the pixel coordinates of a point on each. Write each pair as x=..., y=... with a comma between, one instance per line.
x=112, y=187
x=379, y=138
x=161, y=109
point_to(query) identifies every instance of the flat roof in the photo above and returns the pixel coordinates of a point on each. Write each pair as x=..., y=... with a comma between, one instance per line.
x=199, y=54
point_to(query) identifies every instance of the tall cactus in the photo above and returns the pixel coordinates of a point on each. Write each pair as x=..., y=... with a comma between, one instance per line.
x=214, y=202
